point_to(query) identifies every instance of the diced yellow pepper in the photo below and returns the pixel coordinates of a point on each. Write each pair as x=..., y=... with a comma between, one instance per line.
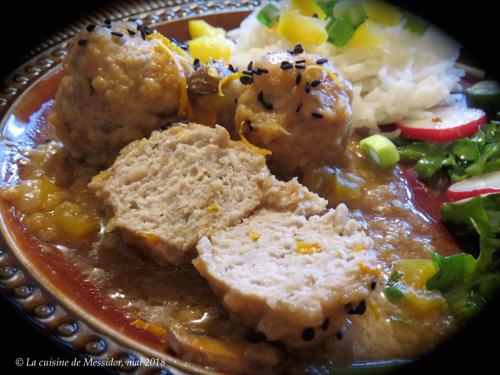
x=382, y=12
x=297, y=28
x=308, y=8
x=213, y=208
x=207, y=48
x=425, y=301
x=151, y=239
x=199, y=28
x=155, y=329
x=416, y=272
x=348, y=186
x=368, y=35
x=254, y=236
x=73, y=220
x=42, y=226
x=307, y=248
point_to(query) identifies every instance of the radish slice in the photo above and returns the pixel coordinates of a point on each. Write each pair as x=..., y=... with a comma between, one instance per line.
x=447, y=124
x=478, y=185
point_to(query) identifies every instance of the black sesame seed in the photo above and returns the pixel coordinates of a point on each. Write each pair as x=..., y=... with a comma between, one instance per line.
x=298, y=49
x=107, y=21
x=321, y=61
x=131, y=32
x=339, y=335
x=308, y=334
x=373, y=284
x=315, y=15
x=317, y=115
x=117, y=33
x=231, y=68
x=299, y=107
x=315, y=83
x=265, y=103
x=300, y=66
x=285, y=65
x=358, y=310
x=325, y=325
x=250, y=65
x=260, y=71
x=82, y=42
x=307, y=87
x=246, y=80
x=196, y=63
x=248, y=72
x=300, y=61
x=107, y=26
x=298, y=78
x=91, y=27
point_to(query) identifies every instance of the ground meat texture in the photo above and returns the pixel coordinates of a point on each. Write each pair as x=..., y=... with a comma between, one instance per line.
x=305, y=119
x=117, y=87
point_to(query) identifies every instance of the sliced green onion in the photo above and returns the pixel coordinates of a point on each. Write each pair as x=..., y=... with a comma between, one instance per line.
x=269, y=15
x=327, y=6
x=380, y=150
x=393, y=293
x=415, y=24
x=339, y=31
x=351, y=11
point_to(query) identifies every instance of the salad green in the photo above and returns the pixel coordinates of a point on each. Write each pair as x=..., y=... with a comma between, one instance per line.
x=461, y=159
x=466, y=282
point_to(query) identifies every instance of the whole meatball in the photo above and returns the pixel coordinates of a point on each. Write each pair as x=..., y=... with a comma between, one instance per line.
x=213, y=95
x=119, y=84
x=298, y=106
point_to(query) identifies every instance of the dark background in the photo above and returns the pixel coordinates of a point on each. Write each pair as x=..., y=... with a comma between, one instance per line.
x=474, y=23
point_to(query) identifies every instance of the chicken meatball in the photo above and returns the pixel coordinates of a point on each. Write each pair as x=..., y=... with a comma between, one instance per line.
x=297, y=106
x=121, y=81
x=213, y=95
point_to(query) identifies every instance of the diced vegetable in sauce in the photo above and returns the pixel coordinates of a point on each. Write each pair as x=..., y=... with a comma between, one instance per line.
x=334, y=184
x=407, y=285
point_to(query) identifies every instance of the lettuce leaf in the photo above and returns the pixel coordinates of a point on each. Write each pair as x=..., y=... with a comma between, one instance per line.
x=468, y=283
x=461, y=159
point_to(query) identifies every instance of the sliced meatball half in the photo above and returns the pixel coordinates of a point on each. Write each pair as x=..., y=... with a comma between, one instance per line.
x=291, y=278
